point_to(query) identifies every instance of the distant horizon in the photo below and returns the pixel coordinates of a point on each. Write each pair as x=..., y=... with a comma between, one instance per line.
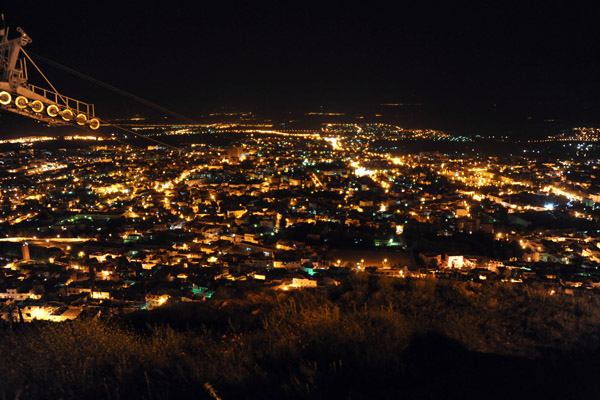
x=483, y=69
x=481, y=120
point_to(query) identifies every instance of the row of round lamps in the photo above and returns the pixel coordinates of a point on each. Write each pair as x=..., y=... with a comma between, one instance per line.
x=52, y=110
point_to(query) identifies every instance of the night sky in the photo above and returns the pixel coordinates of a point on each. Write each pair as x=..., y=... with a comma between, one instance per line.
x=484, y=68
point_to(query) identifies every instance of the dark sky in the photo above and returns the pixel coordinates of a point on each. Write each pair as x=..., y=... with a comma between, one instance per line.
x=473, y=68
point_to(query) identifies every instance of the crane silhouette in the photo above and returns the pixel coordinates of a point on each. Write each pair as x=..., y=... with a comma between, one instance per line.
x=20, y=97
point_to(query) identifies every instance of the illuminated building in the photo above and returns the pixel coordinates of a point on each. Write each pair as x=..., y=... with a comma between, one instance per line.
x=25, y=251
x=234, y=154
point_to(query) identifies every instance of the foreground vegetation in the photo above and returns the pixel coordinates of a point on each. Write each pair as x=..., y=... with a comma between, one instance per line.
x=369, y=338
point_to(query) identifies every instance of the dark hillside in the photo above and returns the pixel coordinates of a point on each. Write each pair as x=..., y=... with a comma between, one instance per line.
x=369, y=338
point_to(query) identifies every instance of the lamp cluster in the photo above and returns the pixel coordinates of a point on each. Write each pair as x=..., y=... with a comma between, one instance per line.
x=53, y=110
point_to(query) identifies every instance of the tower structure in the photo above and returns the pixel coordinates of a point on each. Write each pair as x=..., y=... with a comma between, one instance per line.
x=25, y=251
x=20, y=97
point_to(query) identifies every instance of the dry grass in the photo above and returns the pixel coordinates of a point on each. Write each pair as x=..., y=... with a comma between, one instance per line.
x=350, y=341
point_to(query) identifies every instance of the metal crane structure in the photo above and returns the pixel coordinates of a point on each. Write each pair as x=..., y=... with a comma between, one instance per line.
x=20, y=97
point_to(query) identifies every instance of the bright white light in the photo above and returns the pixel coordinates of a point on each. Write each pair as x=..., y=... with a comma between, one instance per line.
x=334, y=142
x=362, y=172
x=549, y=206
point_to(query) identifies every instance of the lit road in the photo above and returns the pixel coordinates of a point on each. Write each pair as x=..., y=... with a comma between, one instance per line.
x=43, y=240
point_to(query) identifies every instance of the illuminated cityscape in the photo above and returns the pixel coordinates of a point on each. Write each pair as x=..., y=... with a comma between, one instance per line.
x=236, y=200
x=114, y=227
